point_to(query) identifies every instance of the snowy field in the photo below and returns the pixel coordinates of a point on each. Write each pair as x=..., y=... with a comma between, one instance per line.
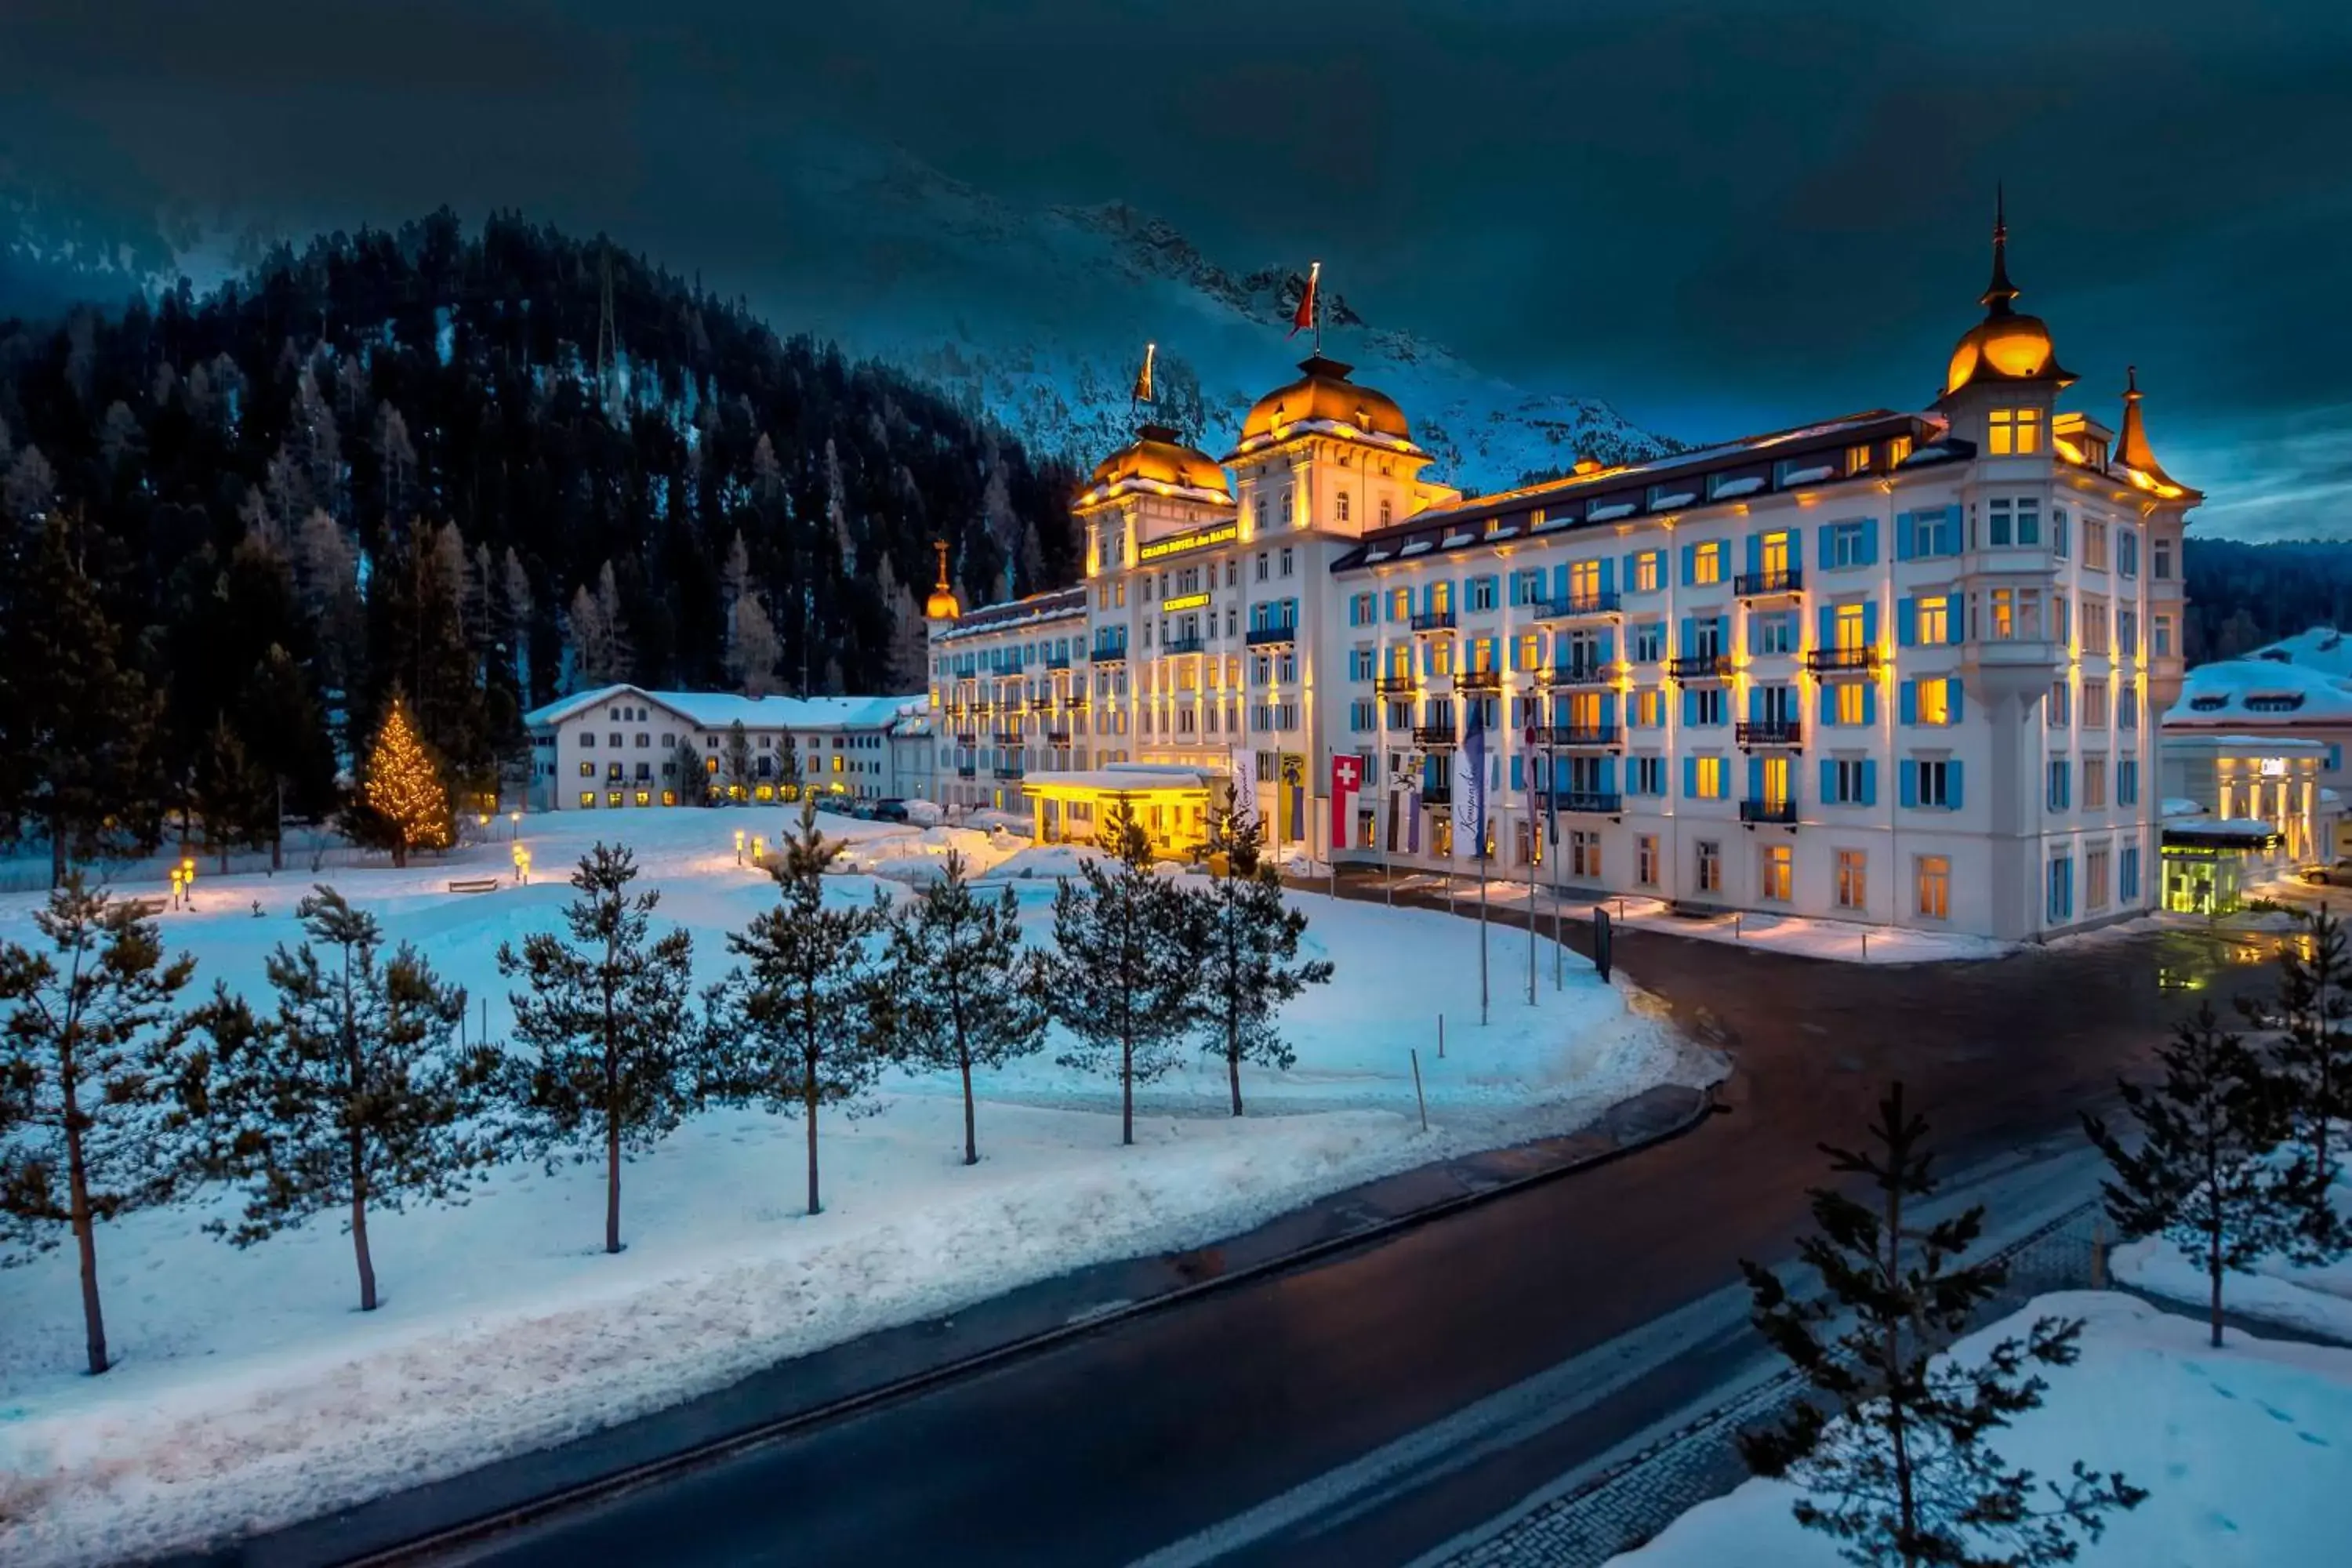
x=2313, y=1301
x=2243, y=1451
x=249, y=1393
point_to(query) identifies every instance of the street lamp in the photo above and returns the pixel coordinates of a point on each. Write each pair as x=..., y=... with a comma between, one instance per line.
x=522, y=865
x=188, y=882
x=739, y=847
x=759, y=849
x=179, y=880
x=514, y=824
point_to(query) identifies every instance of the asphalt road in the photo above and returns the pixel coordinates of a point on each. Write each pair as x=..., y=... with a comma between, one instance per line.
x=1150, y=1436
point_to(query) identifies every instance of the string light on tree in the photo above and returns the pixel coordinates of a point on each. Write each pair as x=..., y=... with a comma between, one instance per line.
x=404, y=790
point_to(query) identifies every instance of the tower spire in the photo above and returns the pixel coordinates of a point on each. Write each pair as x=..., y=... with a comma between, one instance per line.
x=2001, y=292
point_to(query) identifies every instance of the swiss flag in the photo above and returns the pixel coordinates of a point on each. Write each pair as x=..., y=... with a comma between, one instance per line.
x=1347, y=778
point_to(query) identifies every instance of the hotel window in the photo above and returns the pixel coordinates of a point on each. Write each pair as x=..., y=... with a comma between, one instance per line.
x=1998, y=523
x=2160, y=635
x=1934, y=702
x=1853, y=880
x=1847, y=780
x=1648, y=706
x=1648, y=641
x=1649, y=775
x=1649, y=571
x=1707, y=563
x=2159, y=558
x=2062, y=889
x=1645, y=860
x=1359, y=663
x=1849, y=703
x=1932, y=880
x=2127, y=552
x=2015, y=431
x=1849, y=543
x=1584, y=853
x=1400, y=600
x=2095, y=625
x=2094, y=704
x=1707, y=775
x=1848, y=626
x=2095, y=876
x=2127, y=781
x=1935, y=783
x=1529, y=647
x=2001, y=615
x=2127, y=634
x=1710, y=866
x=588, y=798
x=2061, y=789
x=1339, y=506
x=1289, y=561
x=1935, y=620
x=2094, y=544
x=1898, y=451
x=1384, y=511
x=1482, y=593
x=1441, y=595
x=2061, y=540
x=1583, y=581
x=2095, y=784
x=1776, y=872
x=1857, y=459
x=1527, y=587
x=1773, y=633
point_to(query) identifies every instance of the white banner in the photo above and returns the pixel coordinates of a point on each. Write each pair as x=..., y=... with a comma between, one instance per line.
x=1244, y=771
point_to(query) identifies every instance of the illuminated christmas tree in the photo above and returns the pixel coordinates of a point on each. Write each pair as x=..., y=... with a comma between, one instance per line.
x=405, y=796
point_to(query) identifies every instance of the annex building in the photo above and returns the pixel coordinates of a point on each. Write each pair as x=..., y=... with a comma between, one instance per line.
x=1889, y=666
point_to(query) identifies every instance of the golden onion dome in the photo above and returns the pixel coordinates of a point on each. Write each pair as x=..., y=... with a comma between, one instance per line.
x=2005, y=345
x=941, y=605
x=1323, y=391
x=1157, y=456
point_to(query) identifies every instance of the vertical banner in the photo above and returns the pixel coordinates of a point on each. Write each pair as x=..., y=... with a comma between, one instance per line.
x=1244, y=771
x=1470, y=788
x=1603, y=940
x=1347, y=777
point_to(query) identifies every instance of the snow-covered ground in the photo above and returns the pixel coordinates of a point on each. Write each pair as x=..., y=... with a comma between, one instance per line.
x=2243, y=1451
x=249, y=1391
x=2314, y=1301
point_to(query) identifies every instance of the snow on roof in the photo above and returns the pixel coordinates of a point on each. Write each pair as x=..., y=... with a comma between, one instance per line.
x=1058, y=604
x=1609, y=512
x=1746, y=485
x=1812, y=475
x=2262, y=693
x=718, y=709
x=2180, y=805
x=1115, y=776
x=2321, y=649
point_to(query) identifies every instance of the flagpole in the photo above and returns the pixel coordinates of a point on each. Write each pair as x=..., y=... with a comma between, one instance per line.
x=1551, y=824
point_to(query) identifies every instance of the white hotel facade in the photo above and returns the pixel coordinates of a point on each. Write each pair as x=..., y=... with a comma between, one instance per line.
x=1901, y=668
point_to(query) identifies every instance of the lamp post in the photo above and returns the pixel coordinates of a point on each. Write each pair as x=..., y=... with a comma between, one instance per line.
x=522, y=865
x=178, y=880
x=739, y=847
x=759, y=849
x=514, y=826
x=188, y=883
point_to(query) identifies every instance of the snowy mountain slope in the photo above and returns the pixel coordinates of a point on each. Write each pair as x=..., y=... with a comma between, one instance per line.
x=1039, y=315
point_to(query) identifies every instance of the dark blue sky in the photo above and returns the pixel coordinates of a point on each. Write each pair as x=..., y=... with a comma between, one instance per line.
x=1722, y=217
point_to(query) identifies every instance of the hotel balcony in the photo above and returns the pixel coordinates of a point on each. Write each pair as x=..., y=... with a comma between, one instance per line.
x=1700, y=667
x=1842, y=661
x=1060, y=737
x=1392, y=685
x=1058, y=661
x=967, y=739
x=1768, y=811
x=1753, y=732
x=1175, y=647
x=1110, y=653
x=966, y=771
x=1579, y=674
x=1441, y=793
x=1007, y=771
x=1576, y=734
x=1587, y=802
x=1009, y=738
x=1040, y=705
x=1271, y=637
x=1432, y=620
x=1477, y=681
x=1075, y=703
x=1768, y=584
x=1577, y=606
x=1433, y=735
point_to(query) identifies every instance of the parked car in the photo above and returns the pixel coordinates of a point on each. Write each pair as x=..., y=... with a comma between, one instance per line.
x=890, y=811
x=2338, y=875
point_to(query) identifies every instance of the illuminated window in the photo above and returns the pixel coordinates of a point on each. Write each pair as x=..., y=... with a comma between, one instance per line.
x=1935, y=620
x=1848, y=703
x=1707, y=563
x=1707, y=778
x=613, y=798
x=1898, y=450
x=1934, y=885
x=587, y=769
x=1776, y=872
x=2015, y=432
x=1339, y=504
x=1849, y=626
x=1935, y=699
x=1853, y=880
x=1647, y=571
x=1584, y=582
x=645, y=797
x=588, y=797
x=1857, y=459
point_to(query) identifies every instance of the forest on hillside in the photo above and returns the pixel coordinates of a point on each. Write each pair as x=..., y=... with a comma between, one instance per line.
x=2243, y=595
x=479, y=468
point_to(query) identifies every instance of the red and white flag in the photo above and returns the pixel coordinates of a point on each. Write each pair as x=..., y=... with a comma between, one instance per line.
x=1347, y=778
x=1304, y=317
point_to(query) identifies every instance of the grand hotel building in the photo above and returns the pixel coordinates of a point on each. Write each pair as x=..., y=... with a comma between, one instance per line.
x=1890, y=667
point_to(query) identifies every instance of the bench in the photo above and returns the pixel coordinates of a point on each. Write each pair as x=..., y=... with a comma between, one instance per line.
x=145, y=909
x=477, y=885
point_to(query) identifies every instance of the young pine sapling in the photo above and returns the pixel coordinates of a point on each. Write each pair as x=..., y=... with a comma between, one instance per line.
x=1247, y=958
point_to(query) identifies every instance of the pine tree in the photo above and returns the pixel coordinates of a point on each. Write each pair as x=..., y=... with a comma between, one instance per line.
x=106, y=1091
x=617, y=1061
x=2207, y=1175
x=735, y=766
x=405, y=805
x=693, y=782
x=1246, y=946
x=788, y=769
x=1118, y=976
x=2312, y=1060
x=284, y=731
x=352, y=1095
x=1895, y=1461
x=753, y=649
x=965, y=994
x=232, y=796
x=803, y=1022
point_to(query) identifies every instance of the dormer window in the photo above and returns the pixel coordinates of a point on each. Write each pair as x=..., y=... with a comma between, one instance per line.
x=2015, y=432
x=2207, y=704
x=1898, y=451
x=1857, y=459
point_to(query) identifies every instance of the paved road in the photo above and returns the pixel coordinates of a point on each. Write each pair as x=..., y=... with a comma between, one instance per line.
x=1159, y=1431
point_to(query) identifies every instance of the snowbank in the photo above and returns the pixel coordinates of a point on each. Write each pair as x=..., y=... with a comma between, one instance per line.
x=2312, y=1301
x=249, y=1391
x=2242, y=1451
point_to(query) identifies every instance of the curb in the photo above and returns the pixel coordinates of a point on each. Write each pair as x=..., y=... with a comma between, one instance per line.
x=635, y=1478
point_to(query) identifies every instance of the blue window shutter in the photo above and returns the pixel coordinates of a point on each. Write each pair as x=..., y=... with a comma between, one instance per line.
x=1559, y=582
x=1690, y=564
x=1870, y=542
x=1690, y=705
x=1756, y=778
x=1607, y=573
x=1870, y=623
x=1690, y=778
x=1827, y=704
x=1688, y=638
x=1755, y=633
x=1870, y=702
x=1905, y=536
x=1907, y=622
x=1955, y=695
x=1829, y=782
x=1609, y=709
x=1822, y=554
x=1947, y=531
x=1952, y=783
x=1910, y=782
x=1869, y=780
x=1909, y=710
x=1519, y=772
x=1607, y=643
x=1723, y=631
x=1755, y=702
x=1755, y=552
x=1825, y=623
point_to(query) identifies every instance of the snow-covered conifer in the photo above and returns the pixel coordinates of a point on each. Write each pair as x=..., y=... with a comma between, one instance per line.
x=2208, y=1174
x=964, y=992
x=1894, y=1454
x=1120, y=974
x=2312, y=1060
x=1246, y=962
x=802, y=1022
x=352, y=1094
x=616, y=1061
x=102, y=1082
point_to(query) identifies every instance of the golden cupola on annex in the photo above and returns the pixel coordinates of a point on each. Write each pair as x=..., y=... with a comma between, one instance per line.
x=1326, y=452
x=1151, y=492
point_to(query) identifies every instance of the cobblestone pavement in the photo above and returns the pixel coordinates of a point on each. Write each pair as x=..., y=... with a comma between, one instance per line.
x=1631, y=1502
